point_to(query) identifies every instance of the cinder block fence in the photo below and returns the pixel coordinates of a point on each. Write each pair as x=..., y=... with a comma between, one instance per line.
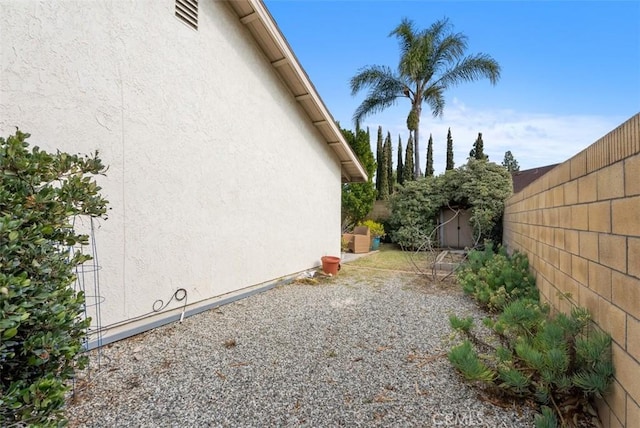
x=580, y=226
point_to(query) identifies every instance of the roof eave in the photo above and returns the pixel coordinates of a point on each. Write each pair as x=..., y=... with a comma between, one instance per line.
x=255, y=16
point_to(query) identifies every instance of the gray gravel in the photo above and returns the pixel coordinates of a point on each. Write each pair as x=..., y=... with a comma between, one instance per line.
x=351, y=351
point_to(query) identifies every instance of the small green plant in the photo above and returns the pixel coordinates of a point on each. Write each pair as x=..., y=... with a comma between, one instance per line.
x=344, y=244
x=562, y=362
x=496, y=279
x=41, y=328
x=376, y=229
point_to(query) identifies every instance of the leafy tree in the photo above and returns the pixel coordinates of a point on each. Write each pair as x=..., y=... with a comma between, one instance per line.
x=477, y=152
x=380, y=163
x=408, y=160
x=358, y=198
x=400, y=165
x=413, y=212
x=431, y=61
x=510, y=162
x=388, y=152
x=450, y=162
x=483, y=186
x=479, y=185
x=429, y=168
x=41, y=327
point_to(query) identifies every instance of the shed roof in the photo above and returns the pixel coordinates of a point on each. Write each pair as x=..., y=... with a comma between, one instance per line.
x=255, y=16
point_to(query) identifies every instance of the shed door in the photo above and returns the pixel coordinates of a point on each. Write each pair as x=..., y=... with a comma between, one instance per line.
x=457, y=232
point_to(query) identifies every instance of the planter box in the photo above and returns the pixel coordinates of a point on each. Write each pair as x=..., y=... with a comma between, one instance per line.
x=360, y=241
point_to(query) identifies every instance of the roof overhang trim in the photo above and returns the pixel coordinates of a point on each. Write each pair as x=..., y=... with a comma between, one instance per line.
x=255, y=16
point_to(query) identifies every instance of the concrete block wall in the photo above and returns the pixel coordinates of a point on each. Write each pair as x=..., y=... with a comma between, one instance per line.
x=579, y=224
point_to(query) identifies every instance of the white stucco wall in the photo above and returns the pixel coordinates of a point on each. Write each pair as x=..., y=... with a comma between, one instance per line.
x=217, y=181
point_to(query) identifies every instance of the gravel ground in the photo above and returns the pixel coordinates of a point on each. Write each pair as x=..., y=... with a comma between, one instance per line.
x=351, y=351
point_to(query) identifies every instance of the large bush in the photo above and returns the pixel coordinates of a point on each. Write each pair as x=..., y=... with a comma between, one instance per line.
x=41, y=328
x=413, y=212
x=479, y=185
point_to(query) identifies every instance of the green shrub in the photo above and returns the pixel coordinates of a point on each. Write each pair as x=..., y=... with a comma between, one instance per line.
x=562, y=362
x=413, y=213
x=40, y=314
x=376, y=229
x=480, y=185
x=495, y=279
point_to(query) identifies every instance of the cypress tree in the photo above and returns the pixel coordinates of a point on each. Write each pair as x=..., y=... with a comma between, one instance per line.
x=399, y=166
x=380, y=162
x=429, y=168
x=450, y=162
x=478, y=149
x=388, y=150
x=384, y=175
x=408, y=160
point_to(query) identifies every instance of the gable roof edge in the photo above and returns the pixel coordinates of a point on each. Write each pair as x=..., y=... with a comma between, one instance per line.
x=255, y=16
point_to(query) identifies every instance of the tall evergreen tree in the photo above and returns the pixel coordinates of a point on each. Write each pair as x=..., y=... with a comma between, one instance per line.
x=388, y=150
x=450, y=162
x=400, y=164
x=510, y=162
x=408, y=160
x=384, y=174
x=428, y=172
x=431, y=61
x=477, y=152
x=380, y=163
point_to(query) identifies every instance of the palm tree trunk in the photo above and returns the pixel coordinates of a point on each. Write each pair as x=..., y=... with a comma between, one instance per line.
x=416, y=154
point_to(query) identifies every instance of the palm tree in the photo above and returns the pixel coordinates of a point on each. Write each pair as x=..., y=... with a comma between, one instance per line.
x=431, y=61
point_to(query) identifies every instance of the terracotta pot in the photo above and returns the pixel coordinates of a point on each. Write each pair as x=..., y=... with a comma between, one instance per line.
x=330, y=265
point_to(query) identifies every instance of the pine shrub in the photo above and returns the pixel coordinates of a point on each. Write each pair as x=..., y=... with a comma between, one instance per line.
x=496, y=279
x=562, y=362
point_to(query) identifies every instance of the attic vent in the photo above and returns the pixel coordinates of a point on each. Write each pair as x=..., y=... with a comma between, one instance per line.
x=187, y=12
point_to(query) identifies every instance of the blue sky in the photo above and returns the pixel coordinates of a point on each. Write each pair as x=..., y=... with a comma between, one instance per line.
x=570, y=70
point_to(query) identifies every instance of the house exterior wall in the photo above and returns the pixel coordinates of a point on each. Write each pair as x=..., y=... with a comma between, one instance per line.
x=217, y=180
x=580, y=226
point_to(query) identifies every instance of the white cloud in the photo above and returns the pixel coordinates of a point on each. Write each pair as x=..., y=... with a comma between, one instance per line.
x=535, y=139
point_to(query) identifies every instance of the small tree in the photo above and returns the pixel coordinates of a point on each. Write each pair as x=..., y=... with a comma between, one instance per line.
x=478, y=149
x=429, y=168
x=510, y=162
x=400, y=165
x=450, y=162
x=41, y=327
x=358, y=198
x=408, y=161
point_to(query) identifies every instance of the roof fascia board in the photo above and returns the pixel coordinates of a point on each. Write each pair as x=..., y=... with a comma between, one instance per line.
x=278, y=40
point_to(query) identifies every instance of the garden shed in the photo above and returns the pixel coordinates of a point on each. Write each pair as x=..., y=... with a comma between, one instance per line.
x=456, y=231
x=217, y=143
